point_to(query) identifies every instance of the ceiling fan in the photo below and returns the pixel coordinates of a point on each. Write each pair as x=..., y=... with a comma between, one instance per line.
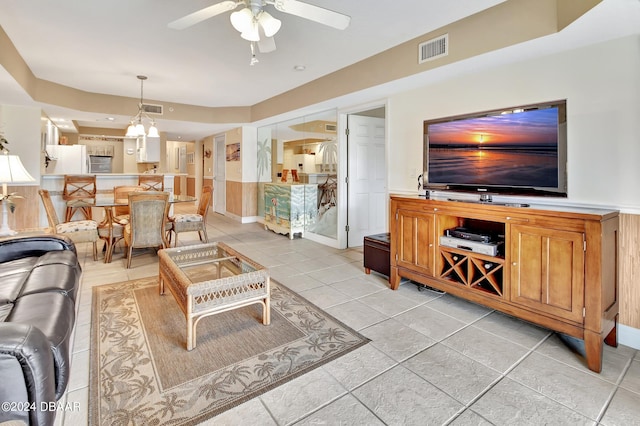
x=257, y=25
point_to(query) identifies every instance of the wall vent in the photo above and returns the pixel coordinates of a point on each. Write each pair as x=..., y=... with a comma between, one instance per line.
x=433, y=49
x=330, y=128
x=152, y=109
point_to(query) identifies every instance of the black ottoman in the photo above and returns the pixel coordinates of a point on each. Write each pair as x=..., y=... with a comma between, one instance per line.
x=377, y=254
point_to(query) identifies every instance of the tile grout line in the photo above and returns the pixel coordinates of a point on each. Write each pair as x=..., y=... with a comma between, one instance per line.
x=613, y=393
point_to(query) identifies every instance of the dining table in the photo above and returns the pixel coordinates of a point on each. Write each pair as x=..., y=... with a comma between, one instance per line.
x=107, y=201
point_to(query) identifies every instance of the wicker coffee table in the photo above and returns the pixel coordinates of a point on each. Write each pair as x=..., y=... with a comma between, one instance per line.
x=206, y=279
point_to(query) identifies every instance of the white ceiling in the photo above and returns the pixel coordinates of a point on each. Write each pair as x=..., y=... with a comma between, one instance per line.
x=100, y=47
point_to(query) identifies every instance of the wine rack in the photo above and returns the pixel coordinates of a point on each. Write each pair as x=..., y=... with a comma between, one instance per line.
x=473, y=270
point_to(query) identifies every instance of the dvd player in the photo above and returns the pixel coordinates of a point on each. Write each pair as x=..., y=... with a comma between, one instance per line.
x=467, y=234
x=490, y=249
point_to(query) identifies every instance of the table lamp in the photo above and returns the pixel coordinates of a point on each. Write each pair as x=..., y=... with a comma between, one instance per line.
x=11, y=171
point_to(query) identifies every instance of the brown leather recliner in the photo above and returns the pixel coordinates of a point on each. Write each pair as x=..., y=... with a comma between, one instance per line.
x=39, y=280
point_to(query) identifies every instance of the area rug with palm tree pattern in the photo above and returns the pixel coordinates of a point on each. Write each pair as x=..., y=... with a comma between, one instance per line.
x=141, y=372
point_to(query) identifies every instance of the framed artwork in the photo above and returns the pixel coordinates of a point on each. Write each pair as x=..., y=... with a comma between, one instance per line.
x=233, y=152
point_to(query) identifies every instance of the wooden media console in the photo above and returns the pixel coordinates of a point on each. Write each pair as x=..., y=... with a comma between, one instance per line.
x=556, y=266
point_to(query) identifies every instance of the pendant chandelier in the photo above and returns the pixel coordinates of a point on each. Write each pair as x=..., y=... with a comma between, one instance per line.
x=136, y=128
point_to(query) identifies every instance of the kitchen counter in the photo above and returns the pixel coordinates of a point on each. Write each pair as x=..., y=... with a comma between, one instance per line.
x=105, y=182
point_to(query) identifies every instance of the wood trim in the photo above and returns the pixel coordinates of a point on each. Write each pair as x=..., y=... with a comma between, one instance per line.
x=176, y=185
x=27, y=213
x=234, y=197
x=205, y=182
x=249, y=199
x=191, y=186
x=629, y=270
x=242, y=198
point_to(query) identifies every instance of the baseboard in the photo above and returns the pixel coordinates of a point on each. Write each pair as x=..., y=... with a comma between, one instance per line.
x=629, y=336
x=249, y=219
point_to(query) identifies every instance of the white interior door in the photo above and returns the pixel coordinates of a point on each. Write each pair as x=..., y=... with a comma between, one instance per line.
x=219, y=179
x=367, y=187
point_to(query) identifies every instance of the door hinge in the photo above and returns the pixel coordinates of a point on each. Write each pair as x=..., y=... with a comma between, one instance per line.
x=396, y=215
x=396, y=257
x=346, y=131
x=346, y=228
x=584, y=245
x=584, y=312
x=346, y=179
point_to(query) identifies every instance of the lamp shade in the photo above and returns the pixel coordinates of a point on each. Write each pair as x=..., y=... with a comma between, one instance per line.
x=153, y=131
x=241, y=20
x=269, y=24
x=12, y=170
x=252, y=34
x=131, y=131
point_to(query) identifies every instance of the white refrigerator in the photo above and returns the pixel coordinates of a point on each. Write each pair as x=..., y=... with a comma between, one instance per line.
x=67, y=159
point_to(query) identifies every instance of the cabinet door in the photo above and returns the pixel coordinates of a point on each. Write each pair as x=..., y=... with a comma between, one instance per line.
x=152, y=149
x=415, y=243
x=547, y=270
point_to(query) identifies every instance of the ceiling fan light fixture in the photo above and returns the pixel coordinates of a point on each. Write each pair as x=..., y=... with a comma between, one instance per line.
x=252, y=34
x=242, y=20
x=258, y=26
x=269, y=24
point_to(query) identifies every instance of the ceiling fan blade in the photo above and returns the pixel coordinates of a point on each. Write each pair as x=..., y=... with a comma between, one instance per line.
x=203, y=14
x=266, y=44
x=313, y=13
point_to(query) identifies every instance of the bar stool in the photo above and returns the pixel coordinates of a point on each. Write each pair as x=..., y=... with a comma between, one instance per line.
x=151, y=182
x=79, y=193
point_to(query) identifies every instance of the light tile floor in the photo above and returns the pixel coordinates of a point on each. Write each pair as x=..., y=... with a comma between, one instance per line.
x=433, y=359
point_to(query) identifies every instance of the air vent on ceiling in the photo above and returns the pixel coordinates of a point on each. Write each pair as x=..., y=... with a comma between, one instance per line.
x=433, y=49
x=330, y=128
x=152, y=109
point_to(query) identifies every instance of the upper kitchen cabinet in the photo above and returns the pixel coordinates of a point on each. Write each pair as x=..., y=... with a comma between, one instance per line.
x=147, y=150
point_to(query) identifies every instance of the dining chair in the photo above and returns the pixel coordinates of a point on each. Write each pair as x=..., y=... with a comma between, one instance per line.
x=294, y=175
x=121, y=195
x=111, y=232
x=151, y=182
x=80, y=231
x=285, y=175
x=79, y=193
x=148, y=212
x=187, y=222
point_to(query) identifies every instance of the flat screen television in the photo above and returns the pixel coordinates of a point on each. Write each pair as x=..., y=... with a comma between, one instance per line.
x=516, y=151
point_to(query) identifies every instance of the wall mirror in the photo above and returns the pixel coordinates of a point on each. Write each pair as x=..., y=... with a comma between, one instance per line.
x=303, y=150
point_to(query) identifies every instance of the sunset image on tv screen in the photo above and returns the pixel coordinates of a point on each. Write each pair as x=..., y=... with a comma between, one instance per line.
x=516, y=149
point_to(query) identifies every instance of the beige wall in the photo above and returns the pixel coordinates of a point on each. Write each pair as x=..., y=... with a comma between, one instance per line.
x=601, y=85
x=208, y=163
x=233, y=169
x=507, y=24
